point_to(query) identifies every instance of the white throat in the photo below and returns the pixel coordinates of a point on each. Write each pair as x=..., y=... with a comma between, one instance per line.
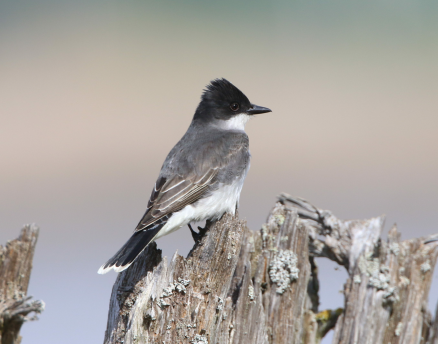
x=236, y=123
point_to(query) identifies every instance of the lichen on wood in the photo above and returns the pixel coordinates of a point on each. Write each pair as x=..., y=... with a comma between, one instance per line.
x=389, y=281
x=229, y=296
x=433, y=335
x=15, y=268
x=240, y=286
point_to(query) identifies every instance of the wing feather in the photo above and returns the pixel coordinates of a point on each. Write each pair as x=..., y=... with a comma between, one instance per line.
x=175, y=190
x=175, y=197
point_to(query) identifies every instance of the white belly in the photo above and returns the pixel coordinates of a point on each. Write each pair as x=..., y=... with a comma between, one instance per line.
x=223, y=200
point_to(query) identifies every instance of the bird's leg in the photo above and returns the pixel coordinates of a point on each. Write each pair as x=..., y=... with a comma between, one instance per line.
x=196, y=236
x=202, y=231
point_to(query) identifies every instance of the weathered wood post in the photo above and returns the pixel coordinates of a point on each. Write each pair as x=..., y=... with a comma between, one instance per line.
x=15, y=268
x=433, y=337
x=240, y=286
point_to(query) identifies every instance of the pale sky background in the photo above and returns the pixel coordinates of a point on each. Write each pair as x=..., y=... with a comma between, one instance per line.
x=93, y=95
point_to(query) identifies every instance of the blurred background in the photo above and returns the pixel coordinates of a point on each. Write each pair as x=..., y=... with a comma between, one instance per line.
x=93, y=95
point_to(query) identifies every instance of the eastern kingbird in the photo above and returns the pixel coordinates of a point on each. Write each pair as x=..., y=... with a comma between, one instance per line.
x=203, y=174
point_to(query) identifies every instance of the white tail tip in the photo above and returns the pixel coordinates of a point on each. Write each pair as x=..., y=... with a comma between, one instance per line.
x=102, y=270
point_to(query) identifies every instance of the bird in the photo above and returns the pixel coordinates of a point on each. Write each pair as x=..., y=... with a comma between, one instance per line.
x=202, y=176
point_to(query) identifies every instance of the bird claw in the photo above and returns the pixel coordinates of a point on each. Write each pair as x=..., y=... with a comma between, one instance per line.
x=198, y=236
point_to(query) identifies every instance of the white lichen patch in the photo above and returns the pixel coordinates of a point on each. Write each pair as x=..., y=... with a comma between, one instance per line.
x=398, y=329
x=390, y=294
x=379, y=277
x=394, y=248
x=384, y=268
x=169, y=290
x=283, y=270
x=362, y=263
x=425, y=267
x=251, y=293
x=357, y=279
x=150, y=314
x=161, y=303
x=199, y=339
x=220, y=305
x=404, y=281
x=179, y=286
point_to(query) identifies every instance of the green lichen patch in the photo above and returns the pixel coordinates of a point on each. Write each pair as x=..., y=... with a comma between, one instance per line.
x=279, y=219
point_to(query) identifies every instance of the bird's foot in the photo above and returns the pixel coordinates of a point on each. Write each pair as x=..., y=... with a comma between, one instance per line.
x=198, y=236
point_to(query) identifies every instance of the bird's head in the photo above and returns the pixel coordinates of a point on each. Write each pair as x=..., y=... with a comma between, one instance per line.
x=225, y=105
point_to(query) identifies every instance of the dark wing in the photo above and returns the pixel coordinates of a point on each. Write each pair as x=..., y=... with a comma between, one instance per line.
x=204, y=167
x=173, y=194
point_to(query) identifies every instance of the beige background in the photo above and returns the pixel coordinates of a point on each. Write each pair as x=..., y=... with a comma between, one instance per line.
x=94, y=94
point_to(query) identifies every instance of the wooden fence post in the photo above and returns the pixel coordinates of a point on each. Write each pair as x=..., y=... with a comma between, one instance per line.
x=15, y=268
x=240, y=286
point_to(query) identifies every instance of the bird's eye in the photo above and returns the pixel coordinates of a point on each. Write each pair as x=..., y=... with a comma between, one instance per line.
x=234, y=106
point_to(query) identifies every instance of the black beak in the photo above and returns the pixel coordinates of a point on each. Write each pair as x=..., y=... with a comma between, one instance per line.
x=255, y=110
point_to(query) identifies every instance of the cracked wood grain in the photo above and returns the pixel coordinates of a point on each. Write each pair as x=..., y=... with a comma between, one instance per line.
x=222, y=292
x=15, y=268
x=389, y=281
x=433, y=335
x=240, y=286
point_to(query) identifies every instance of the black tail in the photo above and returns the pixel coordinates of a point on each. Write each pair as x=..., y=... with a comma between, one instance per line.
x=130, y=251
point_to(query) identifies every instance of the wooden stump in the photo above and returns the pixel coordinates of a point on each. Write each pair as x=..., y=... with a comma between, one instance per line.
x=15, y=268
x=239, y=286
